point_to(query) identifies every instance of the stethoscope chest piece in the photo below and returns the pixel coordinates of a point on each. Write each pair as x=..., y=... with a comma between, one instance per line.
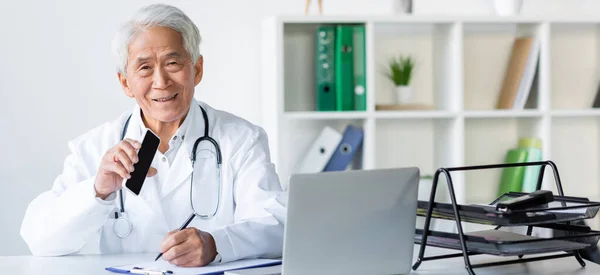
x=122, y=226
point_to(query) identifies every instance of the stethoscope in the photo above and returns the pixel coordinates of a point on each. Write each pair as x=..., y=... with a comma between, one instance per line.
x=123, y=226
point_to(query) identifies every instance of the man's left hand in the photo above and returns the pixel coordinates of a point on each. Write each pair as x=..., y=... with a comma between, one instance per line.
x=189, y=248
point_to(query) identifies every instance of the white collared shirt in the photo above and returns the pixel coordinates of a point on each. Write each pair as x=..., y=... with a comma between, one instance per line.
x=162, y=162
x=175, y=141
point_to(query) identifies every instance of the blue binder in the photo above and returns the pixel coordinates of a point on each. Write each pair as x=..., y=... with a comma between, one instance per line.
x=346, y=149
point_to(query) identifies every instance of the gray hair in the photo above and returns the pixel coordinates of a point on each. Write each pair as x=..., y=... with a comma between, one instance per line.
x=156, y=15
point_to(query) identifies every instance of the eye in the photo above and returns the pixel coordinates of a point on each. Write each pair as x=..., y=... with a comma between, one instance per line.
x=173, y=66
x=145, y=67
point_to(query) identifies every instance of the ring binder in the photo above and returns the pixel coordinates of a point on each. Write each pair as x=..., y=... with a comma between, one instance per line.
x=557, y=212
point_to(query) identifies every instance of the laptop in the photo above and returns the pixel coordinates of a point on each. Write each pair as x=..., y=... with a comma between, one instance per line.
x=351, y=222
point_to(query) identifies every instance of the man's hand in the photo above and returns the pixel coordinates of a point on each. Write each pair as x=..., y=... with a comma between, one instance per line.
x=189, y=248
x=116, y=165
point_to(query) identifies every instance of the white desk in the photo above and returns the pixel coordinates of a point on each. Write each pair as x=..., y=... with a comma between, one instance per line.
x=563, y=266
x=95, y=264
x=75, y=264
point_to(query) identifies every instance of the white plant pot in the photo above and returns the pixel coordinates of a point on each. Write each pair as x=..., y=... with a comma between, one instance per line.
x=508, y=7
x=403, y=94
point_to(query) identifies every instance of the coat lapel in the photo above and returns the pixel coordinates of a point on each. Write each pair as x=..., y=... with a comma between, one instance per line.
x=151, y=197
x=182, y=169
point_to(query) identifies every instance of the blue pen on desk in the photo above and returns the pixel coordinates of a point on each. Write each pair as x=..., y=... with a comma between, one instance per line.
x=183, y=226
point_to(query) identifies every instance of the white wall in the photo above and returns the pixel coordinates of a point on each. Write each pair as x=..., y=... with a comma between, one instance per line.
x=57, y=77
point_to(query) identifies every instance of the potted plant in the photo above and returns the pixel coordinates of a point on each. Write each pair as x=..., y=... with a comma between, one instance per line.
x=400, y=73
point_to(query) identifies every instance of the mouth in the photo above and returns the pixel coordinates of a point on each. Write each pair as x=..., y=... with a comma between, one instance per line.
x=165, y=99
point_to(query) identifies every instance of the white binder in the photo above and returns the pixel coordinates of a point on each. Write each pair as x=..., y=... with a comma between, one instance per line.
x=320, y=151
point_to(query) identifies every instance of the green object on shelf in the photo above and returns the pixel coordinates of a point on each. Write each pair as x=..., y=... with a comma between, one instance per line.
x=512, y=177
x=530, y=142
x=325, y=68
x=360, y=81
x=344, y=68
x=534, y=153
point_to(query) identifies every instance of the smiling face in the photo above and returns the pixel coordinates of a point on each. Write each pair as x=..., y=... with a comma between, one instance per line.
x=161, y=75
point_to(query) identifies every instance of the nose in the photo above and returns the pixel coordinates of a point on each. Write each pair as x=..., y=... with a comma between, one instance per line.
x=160, y=79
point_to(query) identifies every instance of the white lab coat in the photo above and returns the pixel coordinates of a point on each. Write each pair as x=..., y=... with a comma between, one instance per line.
x=70, y=219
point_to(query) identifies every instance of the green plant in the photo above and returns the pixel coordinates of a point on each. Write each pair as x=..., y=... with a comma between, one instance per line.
x=400, y=70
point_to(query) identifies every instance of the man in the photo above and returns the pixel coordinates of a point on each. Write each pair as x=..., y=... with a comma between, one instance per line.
x=159, y=65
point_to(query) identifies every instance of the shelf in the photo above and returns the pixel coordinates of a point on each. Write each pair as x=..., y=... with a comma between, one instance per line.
x=432, y=18
x=575, y=62
x=413, y=142
x=413, y=114
x=436, y=114
x=433, y=47
x=324, y=115
x=576, y=113
x=460, y=67
x=298, y=135
x=487, y=52
x=503, y=114
x=298, y=67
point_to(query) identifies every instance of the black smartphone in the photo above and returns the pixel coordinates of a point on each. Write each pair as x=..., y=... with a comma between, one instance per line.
x=145, y=157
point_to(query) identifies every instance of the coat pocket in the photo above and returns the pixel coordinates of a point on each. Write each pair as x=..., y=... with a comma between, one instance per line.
x=110, y=243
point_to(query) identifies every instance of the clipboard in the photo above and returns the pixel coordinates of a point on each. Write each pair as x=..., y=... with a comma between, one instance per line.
x=138, y=270
x=161, y=267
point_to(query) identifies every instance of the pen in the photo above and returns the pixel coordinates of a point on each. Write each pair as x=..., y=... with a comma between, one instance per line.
x=183, y=226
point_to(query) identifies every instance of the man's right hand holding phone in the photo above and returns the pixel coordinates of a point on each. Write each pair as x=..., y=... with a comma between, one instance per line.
x=116, y=165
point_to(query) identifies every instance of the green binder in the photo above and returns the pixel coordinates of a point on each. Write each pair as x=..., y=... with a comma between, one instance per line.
x=325, y=68
x=344, y=68
x=534, y=153
x=512, y=177
x=360, y=81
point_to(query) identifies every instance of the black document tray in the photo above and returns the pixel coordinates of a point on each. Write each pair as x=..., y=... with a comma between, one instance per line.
x=565, y=216
x=562, y=209
x=519, y=245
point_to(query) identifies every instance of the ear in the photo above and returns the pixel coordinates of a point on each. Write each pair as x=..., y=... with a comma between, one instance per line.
x=125, y=84
x=199, y=70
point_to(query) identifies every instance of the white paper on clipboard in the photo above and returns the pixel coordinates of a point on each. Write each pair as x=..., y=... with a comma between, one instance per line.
x=205, y=270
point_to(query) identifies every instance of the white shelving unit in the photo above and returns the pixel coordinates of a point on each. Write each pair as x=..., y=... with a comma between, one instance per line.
x=460, y=68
